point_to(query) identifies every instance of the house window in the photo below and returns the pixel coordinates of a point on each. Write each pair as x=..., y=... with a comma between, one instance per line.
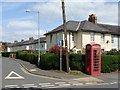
x=102, y=37
x=102, y=50
x=57, y=35
x=112, y=39
x=51, y=38
x=73, y=36
x=92, y=36
x=42, y=45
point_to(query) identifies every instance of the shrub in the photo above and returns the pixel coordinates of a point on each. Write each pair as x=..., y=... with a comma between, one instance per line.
x=7, y=54
x=76, y=62
x=110, y=63
x=30, y=57
x=56, y=49
x=49, y=61
x=113, y=52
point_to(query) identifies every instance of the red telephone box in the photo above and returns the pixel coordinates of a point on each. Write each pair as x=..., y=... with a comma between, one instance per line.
x=93, y=59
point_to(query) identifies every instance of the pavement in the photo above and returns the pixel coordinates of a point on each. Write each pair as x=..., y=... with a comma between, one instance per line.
x=103, y=78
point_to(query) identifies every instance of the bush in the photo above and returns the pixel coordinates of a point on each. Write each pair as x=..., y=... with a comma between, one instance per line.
x=7, y=54
x=113, y=52
x=49, y=61
x=76, y=62
x=30, y=57
x=110, y=63
x=56, y=49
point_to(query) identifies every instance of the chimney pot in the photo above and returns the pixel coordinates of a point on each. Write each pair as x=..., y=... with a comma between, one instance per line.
x=15, y=41
x=31, y=38
x=22, y=40
x=92, y=18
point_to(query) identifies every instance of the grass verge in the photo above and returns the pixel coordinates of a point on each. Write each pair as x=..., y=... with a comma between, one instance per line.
x=71, y=72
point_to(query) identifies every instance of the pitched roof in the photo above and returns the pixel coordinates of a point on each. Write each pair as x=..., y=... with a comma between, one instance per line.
x=115, y=29
x=28, y=42
x=86, y=26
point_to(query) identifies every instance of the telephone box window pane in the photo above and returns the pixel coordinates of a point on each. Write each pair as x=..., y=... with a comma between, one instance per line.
x=96, y=64
x=96, y=69
x=88, y=57
x=96, y=61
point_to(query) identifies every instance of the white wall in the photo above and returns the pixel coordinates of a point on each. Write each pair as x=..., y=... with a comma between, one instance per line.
x=116, y=43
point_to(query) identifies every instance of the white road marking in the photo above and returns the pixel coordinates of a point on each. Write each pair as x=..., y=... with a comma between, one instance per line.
x=74, y=83
x=29, y=85
x=77, y=84
x=47, y=85
x=60, y=82
x=113, y=82
x=16, y=77
x=11, y=86
x=91, y=83
x=44, y=83
x=64, y=84
x=104, y=83
x=33, y=70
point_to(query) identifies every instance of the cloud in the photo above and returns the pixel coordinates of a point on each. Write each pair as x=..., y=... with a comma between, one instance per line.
x=48, y=10
x=11, y=36
x=59, y=0
x=21, y=25
x=79, y=10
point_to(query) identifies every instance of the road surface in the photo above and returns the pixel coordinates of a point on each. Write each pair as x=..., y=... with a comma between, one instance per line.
x=15, y=76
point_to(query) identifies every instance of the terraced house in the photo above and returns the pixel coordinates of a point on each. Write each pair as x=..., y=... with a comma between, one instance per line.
x=80, y=33
x=31, y=44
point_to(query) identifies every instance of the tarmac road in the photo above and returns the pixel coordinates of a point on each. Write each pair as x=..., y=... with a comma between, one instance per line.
x=15, y=76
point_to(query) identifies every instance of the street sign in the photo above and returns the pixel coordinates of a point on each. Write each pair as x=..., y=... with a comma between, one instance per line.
x=60, y=42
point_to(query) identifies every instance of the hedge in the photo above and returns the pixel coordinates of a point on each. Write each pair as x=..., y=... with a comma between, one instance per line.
x=32, y=58
x=77, y=62
x=110, y=63
x=48, y=61
x=7, y=54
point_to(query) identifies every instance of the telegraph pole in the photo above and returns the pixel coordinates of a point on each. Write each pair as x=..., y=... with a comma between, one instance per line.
x=65, y=35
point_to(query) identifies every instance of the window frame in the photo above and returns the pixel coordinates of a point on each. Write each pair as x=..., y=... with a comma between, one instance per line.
x=102, y=37
x=92, y=37
x=73, y=36
x=112, y=38
x=51, y=36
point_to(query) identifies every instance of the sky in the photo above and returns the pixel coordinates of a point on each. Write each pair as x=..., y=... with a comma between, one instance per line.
x=16, y=24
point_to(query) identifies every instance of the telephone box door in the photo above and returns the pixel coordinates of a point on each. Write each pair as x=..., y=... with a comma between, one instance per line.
x=96, y=66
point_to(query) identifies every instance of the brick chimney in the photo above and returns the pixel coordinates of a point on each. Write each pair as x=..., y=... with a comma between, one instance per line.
x=92, y=18
x=15, y=41
x=31, y=38
x=22, y=40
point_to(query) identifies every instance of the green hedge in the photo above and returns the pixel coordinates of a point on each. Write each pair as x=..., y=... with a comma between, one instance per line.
x=7, y=54
x=110, y=63
x=32, y=58
x=77, y=62
x=48, y=61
